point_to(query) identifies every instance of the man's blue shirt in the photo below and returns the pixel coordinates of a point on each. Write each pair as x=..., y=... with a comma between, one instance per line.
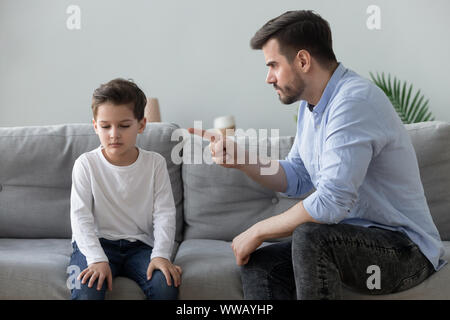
x=353, y=149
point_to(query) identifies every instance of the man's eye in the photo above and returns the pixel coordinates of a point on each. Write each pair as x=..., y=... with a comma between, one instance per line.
x=105, y=127
x=125, y=126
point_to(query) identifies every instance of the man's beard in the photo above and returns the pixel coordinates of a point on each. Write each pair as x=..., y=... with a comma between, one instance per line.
x=291, y=92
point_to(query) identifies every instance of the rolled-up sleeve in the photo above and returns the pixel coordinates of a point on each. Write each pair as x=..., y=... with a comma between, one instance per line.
x=298, y=179
x=352, y=138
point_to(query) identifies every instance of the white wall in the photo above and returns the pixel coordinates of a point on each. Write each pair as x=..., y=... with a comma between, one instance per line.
x=195, y=56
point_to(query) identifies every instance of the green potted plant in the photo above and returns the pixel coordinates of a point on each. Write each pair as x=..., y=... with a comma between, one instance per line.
x=410, y=111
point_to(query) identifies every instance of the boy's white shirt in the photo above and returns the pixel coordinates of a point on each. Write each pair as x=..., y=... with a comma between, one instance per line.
x=132, y=202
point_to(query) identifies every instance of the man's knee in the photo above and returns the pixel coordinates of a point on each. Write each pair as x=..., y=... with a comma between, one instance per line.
x=306, y=233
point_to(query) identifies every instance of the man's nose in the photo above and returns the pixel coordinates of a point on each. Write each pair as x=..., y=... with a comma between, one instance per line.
x=270, y=78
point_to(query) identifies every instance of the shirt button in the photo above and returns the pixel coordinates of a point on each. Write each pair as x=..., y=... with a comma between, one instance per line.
x=274, y=200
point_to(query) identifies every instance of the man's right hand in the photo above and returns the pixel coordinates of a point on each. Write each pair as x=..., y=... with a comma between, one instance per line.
x=98, y=270
x=223, y=150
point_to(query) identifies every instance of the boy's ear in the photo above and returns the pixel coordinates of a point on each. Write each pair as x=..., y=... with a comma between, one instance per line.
x=142, y=124
x=95, y=125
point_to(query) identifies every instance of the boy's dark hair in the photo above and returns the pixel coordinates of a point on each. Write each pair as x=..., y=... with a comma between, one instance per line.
x=118, y=92
x=297, y=30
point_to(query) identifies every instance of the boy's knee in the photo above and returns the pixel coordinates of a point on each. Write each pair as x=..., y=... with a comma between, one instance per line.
x=86, y=293
x=158, y=288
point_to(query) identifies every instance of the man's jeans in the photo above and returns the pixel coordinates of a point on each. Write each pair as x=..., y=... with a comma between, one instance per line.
x=126, y=258
x=319, y=259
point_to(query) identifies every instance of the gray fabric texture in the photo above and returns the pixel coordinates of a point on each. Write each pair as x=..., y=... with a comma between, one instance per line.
x=36, y=269
x=35, y=175
x=220, y=203
x=431, y=141
x=209, y=271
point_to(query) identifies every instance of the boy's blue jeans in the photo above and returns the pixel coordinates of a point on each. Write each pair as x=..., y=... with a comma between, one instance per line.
x=129, y=259
x=320, y=259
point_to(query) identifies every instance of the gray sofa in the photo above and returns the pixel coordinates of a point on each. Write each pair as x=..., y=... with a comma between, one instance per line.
x=213, y=204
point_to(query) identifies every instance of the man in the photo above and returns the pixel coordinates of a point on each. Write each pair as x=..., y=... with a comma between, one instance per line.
x=368, y=210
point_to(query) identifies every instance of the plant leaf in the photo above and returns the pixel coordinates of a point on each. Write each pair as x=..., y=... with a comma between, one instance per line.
x=399, y=93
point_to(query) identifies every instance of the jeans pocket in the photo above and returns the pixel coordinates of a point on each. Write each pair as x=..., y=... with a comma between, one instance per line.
x=415, y=279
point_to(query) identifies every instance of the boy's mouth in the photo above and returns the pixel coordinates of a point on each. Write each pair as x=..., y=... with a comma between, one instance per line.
x=115, y=145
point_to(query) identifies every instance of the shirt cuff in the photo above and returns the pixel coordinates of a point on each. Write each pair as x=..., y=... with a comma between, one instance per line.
x=156, y=254
x=291, y=177
x=314, y=206
x=90, y=261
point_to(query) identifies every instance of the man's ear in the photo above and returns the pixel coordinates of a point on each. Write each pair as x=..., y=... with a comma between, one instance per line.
x=142, y=124
x=303, y=60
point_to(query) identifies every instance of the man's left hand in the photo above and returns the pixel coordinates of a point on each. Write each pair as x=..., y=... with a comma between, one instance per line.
x=244, y=244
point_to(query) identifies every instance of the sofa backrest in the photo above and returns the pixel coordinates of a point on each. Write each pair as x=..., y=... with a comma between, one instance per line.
x=431, y=141
x=36, y=169
x=220, y=203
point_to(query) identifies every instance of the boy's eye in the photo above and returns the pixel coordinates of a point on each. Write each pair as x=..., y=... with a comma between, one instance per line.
x=122, y=126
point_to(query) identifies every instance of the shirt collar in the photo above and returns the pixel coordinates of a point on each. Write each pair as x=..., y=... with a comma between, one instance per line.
x=329, y=89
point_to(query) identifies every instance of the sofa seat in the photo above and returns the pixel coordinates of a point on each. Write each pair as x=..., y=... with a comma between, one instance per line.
x=36, y=269
x=209, y=265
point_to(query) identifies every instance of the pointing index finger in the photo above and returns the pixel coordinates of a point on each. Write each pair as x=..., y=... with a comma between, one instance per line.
x=211, y=136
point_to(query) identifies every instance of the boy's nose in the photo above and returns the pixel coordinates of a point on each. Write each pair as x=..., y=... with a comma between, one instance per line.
x=114, y=133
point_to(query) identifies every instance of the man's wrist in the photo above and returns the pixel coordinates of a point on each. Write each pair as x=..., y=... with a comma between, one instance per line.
x=258, y=232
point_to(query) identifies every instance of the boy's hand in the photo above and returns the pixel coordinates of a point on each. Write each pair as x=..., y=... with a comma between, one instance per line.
x=94, y=271
x=167, y=268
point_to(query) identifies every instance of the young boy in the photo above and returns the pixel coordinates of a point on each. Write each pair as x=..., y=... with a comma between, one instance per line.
x=122, y=208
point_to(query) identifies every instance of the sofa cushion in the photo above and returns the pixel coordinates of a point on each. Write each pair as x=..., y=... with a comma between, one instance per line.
x=36, y=269
x=209, y=271
x=35, y=175
x=220, y=203
x=431, y=141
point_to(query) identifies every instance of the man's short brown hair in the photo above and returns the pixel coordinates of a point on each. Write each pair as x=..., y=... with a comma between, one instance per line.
x=119, y=92
x=297, y=30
